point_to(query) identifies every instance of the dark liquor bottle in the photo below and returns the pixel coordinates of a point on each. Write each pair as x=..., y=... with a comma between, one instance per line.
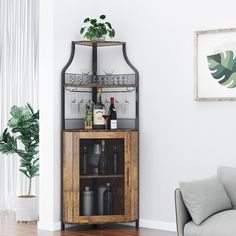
x=115, y=161
x=108, y=200
x=85, y=162
x=102, y=164
x=98, y=112
x=112, y=120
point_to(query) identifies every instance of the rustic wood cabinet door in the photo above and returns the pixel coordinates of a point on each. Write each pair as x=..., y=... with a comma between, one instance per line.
x=124, y=182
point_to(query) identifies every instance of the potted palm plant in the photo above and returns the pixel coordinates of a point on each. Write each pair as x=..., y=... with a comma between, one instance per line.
x=22, y=138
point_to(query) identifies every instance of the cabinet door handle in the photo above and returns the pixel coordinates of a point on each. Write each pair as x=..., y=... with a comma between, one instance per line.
x=128, y=177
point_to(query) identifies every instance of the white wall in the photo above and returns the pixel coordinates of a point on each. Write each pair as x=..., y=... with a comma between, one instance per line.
x=49, y=185
x=180, y=139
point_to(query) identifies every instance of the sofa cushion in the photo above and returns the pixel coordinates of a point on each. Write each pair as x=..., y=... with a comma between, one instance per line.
x=227, y=176
x=220, y=224
x=204, y=198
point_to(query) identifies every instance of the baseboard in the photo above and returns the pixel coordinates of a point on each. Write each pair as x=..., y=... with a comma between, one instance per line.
x=152, y=224
x=49, y=226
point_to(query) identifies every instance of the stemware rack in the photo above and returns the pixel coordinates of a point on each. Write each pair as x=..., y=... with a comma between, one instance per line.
x=100, y=80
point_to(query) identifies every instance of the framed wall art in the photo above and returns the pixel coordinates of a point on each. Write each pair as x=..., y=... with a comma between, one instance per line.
x=215, y=65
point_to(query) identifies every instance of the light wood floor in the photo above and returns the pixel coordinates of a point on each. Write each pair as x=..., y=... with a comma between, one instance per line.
x=8, y=227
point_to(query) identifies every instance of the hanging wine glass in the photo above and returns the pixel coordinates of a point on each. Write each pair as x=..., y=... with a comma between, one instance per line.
x=74, y=104
x=105, y=117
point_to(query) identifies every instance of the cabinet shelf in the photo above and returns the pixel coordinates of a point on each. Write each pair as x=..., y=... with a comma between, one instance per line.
x=100, y=176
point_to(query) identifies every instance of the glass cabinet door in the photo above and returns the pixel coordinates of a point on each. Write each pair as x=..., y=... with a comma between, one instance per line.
x=100, y=177
x=102, y=186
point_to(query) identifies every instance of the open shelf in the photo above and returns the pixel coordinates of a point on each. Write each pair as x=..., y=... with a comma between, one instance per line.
x=100, y=80
x=101, y=86
x=100, y=176
x=99, y=43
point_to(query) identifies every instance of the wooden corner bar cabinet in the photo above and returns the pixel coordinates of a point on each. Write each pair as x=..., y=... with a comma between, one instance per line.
x=90, y=195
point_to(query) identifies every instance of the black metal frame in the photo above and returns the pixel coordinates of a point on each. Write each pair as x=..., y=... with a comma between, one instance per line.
x=94, y=69
x=63, y=122
x=94, y=46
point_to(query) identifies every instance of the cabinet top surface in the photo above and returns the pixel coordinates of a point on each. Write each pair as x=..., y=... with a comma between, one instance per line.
x=101, y=130
x=99, y=43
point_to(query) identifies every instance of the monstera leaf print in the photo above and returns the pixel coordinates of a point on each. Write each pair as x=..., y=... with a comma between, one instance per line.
x=223, y=68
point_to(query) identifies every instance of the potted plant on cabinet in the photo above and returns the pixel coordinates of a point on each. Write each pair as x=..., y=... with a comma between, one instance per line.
x=22, y=138
x=98, y=29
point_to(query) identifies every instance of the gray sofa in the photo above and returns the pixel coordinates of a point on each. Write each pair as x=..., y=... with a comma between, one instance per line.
x=220, y=223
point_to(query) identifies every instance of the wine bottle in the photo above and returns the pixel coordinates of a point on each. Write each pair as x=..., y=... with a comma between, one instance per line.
x=112, y=115
x=102, y=164
x=115, y=161
x=85, y=162
x=88, y=119
x=108, y=200
x=98, y=112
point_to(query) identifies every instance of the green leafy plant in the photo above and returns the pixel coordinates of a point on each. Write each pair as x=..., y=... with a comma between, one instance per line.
x=97, y=28
x=23, y=140
x=223, y=68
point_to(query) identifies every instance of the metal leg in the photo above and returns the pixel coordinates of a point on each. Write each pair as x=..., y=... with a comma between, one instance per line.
x=62, y=226
x=101, y=226
x=137, y=224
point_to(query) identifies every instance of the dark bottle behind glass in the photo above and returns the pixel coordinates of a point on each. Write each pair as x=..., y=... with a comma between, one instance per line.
x=94, y=159
x=102, y=164
x=112, y=116
x=85, y=162
x=98, y=112
x=115, y=161
x=108, y=200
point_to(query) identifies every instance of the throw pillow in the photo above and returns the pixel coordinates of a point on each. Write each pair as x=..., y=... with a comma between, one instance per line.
x=227, y=176
x=204, y=198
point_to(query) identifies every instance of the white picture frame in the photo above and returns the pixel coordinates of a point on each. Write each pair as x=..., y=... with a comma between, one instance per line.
x=210, y=78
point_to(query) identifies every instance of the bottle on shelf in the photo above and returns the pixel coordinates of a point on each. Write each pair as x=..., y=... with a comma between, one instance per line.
x=102, y=164
x=94, y=158
x=108, y=200
x=84, y=161
x=87, y=201
x=98, y=112
x=112, y=116
x=115, y=161
x=88, y=119
x=100, y=193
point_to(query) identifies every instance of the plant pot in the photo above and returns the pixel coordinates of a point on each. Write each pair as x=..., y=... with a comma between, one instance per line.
x=27, y=208
x=103, y=38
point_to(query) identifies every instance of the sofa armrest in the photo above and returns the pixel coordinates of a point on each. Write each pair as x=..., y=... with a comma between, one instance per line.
x=182, y=214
